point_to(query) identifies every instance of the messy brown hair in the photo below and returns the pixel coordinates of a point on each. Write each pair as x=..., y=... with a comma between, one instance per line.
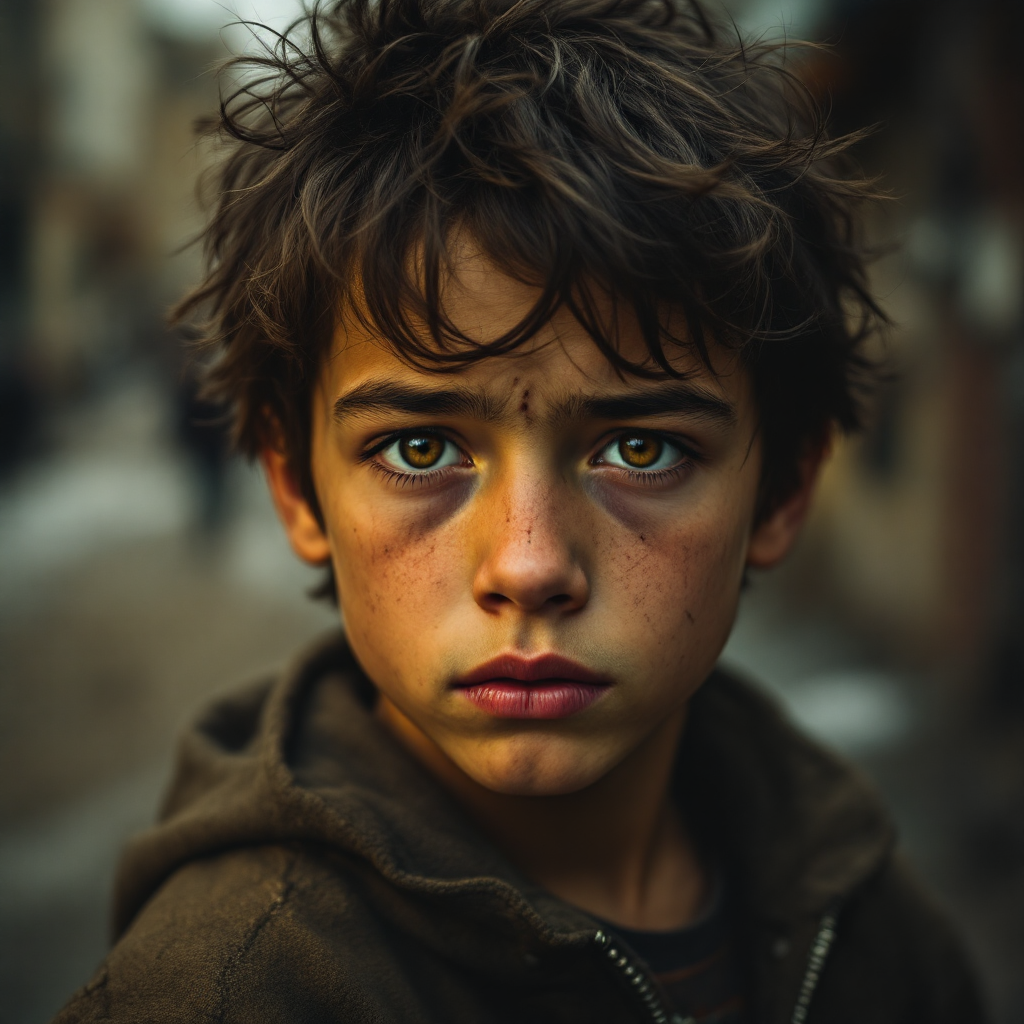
x=636, y=149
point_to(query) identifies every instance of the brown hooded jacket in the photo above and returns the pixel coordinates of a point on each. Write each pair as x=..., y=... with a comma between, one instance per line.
x=307, y=869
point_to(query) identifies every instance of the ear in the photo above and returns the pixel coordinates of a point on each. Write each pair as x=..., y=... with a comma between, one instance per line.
x=307, y=539
x=772, y=538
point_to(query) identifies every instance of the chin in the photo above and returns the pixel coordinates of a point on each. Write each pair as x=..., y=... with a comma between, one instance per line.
x=535, y=766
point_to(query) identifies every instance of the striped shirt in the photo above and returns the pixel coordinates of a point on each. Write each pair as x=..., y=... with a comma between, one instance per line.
x=695, y=966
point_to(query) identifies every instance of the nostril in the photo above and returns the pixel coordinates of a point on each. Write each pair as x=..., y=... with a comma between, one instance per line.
x=560, y=599
x=495, y=598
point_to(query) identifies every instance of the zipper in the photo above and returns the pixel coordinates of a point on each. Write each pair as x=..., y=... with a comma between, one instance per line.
x=638, y=980
x=644, y=988
x=815, y=962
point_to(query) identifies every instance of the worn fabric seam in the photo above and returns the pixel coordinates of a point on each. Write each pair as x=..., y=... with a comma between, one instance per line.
x=282, y=897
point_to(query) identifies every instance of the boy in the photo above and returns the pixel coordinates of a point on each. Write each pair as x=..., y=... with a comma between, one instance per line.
x=538, y=317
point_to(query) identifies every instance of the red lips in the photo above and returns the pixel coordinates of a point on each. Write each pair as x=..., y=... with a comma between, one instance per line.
x=546, y=667
x=549, y=686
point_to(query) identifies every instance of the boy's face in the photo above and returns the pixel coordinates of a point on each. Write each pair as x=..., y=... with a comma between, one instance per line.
x=533, y=504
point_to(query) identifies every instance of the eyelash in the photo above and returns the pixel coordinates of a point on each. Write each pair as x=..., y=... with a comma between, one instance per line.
x=393, y=476
x=407, y=479
x=657, y=476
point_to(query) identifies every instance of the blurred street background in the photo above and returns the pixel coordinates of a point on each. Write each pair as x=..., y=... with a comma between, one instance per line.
x=142, y=569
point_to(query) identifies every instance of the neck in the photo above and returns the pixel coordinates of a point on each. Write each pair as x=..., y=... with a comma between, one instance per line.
x=617, y=849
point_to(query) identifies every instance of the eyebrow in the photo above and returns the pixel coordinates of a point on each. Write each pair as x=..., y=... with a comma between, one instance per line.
x=387, y=396
x=374, y=396
x=676, y=397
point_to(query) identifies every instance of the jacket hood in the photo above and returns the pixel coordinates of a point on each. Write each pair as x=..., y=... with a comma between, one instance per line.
x=303, y=760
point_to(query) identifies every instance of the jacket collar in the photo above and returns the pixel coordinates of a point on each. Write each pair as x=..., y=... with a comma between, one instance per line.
x=799, y=828
x=305, y=760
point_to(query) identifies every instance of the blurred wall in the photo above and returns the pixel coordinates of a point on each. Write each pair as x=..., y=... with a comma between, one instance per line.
x=139, y=570
x=916, y=532
x=916, y=521
x=113, y=196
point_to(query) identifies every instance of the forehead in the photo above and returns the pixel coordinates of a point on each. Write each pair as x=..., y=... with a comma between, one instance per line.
x=550, y=371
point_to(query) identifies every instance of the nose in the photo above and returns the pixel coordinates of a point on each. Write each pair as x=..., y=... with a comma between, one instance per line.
x=529, y=559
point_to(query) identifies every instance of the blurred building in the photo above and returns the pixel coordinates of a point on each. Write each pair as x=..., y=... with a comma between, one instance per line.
x=920, y=521
x=100, y=166
x=19, y=155
x=913, y=562
x=114, y=193
x=916, y=533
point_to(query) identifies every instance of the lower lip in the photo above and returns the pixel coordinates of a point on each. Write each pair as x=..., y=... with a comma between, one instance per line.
x=509, y=699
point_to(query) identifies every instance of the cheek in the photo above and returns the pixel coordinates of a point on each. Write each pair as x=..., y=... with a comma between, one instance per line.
x=676, y=581
x=661, y=549
x=396, y=563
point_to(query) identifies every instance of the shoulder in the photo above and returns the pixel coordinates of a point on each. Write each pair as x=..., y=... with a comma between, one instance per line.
x=270, y=933
x=804, y=830
x=897, y=958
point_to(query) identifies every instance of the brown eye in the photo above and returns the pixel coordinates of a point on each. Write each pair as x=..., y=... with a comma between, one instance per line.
x=423, y=451
x=416, y=454
x=640, y=451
